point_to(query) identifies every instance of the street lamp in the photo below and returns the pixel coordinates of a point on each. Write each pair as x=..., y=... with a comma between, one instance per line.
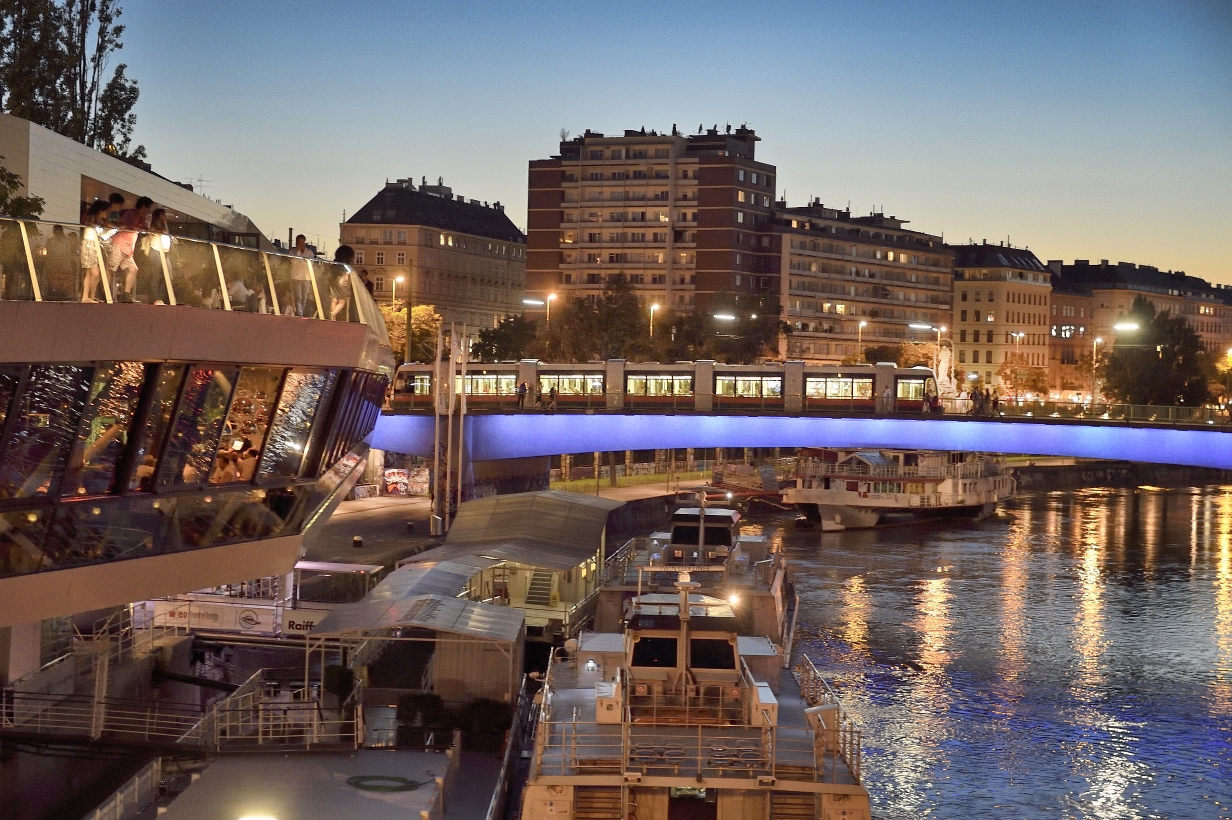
x=550, y=298
x=937, y=351
x=398, y=280
x=653, y=307
x=1125, y=326
x=1095, y=343
x=1018, y=337
x=724, y=317
x=860, y=341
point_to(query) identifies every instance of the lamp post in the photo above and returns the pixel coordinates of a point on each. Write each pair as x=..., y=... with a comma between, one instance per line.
x=548, y=300
x=860, y=340
x=1095, y=343
x=398, y=280
x=653, y=307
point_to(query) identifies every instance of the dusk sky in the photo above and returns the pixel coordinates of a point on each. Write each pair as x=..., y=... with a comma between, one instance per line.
x=1098, y=130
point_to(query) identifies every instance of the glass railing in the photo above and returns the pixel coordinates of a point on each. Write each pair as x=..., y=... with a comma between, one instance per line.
x=58, y=262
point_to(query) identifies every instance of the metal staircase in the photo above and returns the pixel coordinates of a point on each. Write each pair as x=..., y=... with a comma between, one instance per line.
x=597, y=803
x=539, y=593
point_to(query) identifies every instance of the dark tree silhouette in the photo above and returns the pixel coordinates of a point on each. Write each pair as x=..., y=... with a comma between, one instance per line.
x=1163, y=362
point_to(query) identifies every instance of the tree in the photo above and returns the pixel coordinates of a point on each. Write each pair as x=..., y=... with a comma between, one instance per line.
x=1017, y=379
x=1164, y=363
x=395, y=326
x=425, y=324
x=507, y=341
x=20, y=207
x=54, y=57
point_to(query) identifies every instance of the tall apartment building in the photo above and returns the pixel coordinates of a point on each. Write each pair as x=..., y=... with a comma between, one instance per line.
x=849, y=282
x=1001, y=311
x=1206, y=307
x=684, y=219
x=465, y=257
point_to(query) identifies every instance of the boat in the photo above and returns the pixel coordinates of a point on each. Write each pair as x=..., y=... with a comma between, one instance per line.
x=683, y=702
x=856, y=489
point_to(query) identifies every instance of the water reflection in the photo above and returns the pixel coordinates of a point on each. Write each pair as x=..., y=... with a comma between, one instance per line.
x=1071, y=659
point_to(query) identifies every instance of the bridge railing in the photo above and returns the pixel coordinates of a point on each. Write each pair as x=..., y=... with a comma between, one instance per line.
x=60, y=262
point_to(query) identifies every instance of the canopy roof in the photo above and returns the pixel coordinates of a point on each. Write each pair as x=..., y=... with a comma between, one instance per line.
x=436, y=612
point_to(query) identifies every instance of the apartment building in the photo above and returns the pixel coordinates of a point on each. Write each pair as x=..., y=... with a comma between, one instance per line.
x=426, y=245
x=1001, y=312
x=1072, y=341
x=851, y=282
x=684, y=219
x=1206, y=307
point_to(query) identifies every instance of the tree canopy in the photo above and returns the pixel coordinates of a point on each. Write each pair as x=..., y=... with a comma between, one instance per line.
x=54, y=62
x=507, y=341
x=1163, y=362
x=21, y=207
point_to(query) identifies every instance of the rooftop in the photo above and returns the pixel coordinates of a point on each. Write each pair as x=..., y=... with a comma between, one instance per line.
x=435, y=206
x=985, y=255
x=1129, y=276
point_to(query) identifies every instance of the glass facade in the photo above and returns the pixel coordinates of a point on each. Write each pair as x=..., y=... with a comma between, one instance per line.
x=118, y=460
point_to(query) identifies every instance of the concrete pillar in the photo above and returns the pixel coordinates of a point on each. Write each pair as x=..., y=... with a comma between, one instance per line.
x=564, y=466
x=688, y=459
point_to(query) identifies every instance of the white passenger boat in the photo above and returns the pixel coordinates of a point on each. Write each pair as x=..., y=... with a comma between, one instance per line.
x=851, y=489
x=680, y=706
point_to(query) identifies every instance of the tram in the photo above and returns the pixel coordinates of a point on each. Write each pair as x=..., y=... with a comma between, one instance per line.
x=618, y=386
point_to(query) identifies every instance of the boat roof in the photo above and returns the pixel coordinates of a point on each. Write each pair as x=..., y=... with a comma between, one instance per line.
x=693, y=513
x=436, y=612
x=666, y=603
x=874, y=458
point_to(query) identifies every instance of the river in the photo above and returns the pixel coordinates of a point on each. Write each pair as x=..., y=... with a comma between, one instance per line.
x=1069, y=658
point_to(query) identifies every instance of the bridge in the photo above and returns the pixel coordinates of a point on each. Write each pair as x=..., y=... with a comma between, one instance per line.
x=1197, y=439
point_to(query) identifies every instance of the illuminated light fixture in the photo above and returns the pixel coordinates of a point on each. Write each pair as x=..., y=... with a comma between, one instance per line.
x=725, y=317
x=258, y=817
x=914, y=326
x=733, y=600
x=752, y=315
x=729, y=496
x=535, y=302
x=1125, y=326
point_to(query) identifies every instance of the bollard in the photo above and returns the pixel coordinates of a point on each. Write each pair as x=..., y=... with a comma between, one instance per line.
x=410, y=527
x=357, y=542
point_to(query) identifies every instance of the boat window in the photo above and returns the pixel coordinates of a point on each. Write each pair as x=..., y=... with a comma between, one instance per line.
x=684, y=534
x=749, y=387
x=711, y=653
x=832, y=387
x=658, y=385
x=572, y=385
x=718, y=536
x=655, y=652
x=911, y=389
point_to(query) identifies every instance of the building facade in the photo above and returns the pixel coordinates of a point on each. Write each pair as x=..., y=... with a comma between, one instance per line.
x=848, y=283
x=426, y=245
x=684, y=219
x=1207, y=308
x=1001, y=314
x=1072, y=342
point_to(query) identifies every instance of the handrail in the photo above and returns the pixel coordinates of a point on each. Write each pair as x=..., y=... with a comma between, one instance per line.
x=179, y=270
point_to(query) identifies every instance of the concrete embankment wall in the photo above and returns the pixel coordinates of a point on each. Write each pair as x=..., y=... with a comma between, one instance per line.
x=1113, y=474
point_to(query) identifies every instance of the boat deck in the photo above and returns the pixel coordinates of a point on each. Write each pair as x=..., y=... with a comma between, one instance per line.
x=574, y=744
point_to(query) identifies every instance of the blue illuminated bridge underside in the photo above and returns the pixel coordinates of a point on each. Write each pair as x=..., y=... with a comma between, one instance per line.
x=495, y=436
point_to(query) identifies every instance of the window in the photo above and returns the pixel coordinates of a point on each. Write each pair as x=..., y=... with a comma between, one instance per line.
x=962, y=335
x=740, y=196
x=658, y=385
x=740, y=176
x=962, y=316
x=911, y=389
x=380, y=257
x=489, y=384
x=572, y=385
x=388, y=236
x=962, y=357
x=596, y=154
x=749, y=387
x=358, y=239
x=740, y=216
x=401, y=258
x=838, y=387
x=359, y=257
x=975, y=357
x=401, y=237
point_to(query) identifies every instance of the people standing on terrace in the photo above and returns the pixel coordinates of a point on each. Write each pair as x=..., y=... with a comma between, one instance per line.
x=340, y=283
x=301, y=277
x=91, y=224
x=123, y=245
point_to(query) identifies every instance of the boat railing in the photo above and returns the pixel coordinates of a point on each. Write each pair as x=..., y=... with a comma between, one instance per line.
x=843, y=738
x=977, y=468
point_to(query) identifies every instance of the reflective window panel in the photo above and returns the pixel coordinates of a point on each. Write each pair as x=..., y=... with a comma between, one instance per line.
x=298, y=407
x=193, y=440
x=154, y=430
x=104, y=430
x=42, y=429
x=243, y=435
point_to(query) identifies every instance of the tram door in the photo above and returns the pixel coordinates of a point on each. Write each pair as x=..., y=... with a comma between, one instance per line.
x=692, y=804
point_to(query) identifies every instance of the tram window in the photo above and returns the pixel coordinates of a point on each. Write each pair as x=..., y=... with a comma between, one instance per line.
x=573, y=385
x=711, y=653
x=832, y=387
x=911, y=389
x=415, y=384
x=651, y=385
x=494, y=384
x=749, y=387
x=655, y=652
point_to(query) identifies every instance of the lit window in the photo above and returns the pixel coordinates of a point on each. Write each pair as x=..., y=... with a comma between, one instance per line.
x=740, y=196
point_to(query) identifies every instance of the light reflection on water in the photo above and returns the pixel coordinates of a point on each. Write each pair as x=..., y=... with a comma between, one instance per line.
x=1070, y=659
